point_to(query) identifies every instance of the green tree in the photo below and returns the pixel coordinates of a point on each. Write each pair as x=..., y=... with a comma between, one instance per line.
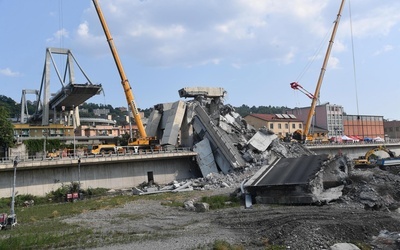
x=10, y=105
x=7, y=130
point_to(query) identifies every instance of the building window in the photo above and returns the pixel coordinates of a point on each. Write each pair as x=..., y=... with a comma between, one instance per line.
x=271, y=126
x=300, y=126
x=286, y=126
x=293, y=125
x=279, y=126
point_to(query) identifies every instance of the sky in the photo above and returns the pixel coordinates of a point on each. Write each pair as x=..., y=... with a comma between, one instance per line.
x=253, y=49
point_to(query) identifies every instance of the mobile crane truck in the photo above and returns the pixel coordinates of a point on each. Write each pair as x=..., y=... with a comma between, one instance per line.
x=143, y=141
x=305, y=135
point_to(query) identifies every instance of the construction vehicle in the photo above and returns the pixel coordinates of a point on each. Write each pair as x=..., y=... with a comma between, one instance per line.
x=143, y=140
x=370, y=159
x=305, y=135
x=103, y=149
x=53, y=154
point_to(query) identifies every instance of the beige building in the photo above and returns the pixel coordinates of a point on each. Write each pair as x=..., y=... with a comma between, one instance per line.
x=280, y=124
x=52, y=130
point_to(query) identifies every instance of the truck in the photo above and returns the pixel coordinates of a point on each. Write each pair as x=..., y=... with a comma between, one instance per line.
x=103, y=149
x=53, y=154
x=143, y=141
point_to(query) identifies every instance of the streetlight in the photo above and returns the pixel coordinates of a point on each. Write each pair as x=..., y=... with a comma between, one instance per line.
x=12, y=219
x=79, y=177
x=73, y=121
x=44, y=143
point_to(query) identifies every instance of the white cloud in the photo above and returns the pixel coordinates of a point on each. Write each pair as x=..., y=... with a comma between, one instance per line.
x=376, y=21
x=58, y=35
x=83, y=29
x=172, y=31
x=333, y=63
x=167, y=33
x=383, y=50
x=9, y=72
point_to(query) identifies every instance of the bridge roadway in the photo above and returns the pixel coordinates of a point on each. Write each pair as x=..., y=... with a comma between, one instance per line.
x=115, y=171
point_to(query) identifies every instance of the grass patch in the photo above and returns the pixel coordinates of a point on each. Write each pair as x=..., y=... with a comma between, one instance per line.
x=44, y=235
x=223, y=245
x=221, y=201
x=220, y=245
x=41, y=226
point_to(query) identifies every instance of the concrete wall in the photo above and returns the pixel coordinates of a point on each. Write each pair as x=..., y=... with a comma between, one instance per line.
x=112, y=174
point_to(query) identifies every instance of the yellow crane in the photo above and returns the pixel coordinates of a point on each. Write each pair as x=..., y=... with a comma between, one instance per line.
x=314, y=97
x=143, y=140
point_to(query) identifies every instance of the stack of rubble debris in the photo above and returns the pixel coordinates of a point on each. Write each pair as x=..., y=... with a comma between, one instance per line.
x=227, y=147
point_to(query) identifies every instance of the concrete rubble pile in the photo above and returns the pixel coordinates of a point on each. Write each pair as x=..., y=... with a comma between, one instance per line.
x=221, y=137
x=373, y=189
x=229, y=150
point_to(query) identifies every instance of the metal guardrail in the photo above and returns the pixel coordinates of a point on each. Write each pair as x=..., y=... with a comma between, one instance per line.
x=82, y=156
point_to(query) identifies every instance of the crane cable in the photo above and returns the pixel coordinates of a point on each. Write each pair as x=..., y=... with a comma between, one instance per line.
x=354, y=61
x=61, y=23
x=310, y=62
x=316, y=53
x=60, y=34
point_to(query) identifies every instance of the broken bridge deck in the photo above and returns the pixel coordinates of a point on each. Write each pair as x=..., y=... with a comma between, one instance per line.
x=286, y=180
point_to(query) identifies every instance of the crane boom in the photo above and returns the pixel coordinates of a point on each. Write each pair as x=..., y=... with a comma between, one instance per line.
x=124, y=80
x=321, y=76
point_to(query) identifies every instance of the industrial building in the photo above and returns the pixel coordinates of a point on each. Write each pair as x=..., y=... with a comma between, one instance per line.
x=363, y=126
x=333, y=118
x=391, y=129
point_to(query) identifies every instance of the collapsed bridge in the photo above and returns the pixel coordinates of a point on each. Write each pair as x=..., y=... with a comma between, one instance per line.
x=66, y=100
x=225, y=143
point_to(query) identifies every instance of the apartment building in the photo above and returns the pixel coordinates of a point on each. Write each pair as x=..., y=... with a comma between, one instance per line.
x=326, y=116
x=280, y=124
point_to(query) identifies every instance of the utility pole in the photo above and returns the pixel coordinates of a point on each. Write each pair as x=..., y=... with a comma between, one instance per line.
x=73, y=121
x=12, y=220
x=44, y=143
x=79, y=177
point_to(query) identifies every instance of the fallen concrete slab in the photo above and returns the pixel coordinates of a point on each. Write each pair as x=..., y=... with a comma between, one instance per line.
x=205, y=157
x=298, y=181
x=173, y=123
x=261, y=140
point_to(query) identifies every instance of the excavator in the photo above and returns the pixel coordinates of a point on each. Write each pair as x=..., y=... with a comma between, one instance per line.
x=367, y=159
x=143, y=141
x=304, y=135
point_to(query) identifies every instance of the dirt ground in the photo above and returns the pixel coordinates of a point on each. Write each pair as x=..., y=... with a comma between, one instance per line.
x=357, y=217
